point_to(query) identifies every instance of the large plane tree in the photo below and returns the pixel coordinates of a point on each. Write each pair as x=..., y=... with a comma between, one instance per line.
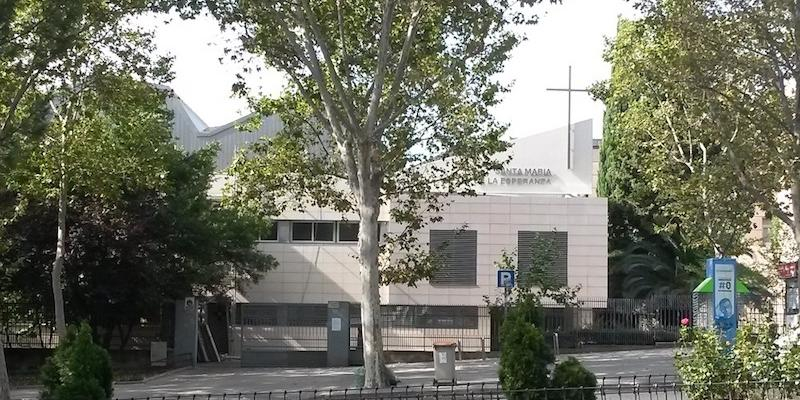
x=387, y=101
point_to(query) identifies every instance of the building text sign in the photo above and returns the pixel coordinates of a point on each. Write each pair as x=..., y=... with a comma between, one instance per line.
x=521, y=176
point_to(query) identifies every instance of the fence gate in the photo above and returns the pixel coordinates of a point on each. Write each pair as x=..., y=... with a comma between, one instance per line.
x=283, y=335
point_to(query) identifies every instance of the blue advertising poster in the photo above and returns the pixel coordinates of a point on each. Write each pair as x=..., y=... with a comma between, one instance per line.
x=725, y=314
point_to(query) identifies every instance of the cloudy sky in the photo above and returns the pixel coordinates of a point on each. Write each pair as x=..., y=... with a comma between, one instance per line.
x=573, y=33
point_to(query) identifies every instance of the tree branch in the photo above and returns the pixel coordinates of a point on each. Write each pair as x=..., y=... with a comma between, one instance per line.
x=345, y=97
x=345, y=54
x=750, y=187
x=402, y=65
x=12, y=108
x=380, y=67
x=308, y=58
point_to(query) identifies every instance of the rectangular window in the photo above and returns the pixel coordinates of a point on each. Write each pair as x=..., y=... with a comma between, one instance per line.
x=269, y=233
x=323, y=231
x=457, y=254
x=348, y=231
x=302, y=231
x=548, y=250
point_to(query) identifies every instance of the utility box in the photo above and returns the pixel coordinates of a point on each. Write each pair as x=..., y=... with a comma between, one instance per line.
x=444, y=363
x=158, y=354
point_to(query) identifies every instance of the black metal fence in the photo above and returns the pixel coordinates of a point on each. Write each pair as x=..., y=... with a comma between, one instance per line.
x=490, y=391
x=26, y=326
x=750, y=308
x=302, y=327
x=592, y=321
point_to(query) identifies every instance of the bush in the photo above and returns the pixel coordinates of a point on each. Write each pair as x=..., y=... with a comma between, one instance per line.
x=79, y=369
x=524, y=357
x=571, y=374
x=705, y=360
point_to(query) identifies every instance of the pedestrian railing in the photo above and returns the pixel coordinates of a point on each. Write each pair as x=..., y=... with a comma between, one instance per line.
x=665, y=387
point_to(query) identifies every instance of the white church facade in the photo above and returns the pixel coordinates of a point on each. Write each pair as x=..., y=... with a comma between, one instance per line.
x=536, y=194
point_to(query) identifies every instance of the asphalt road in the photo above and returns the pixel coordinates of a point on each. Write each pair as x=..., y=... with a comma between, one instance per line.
x=215, y=379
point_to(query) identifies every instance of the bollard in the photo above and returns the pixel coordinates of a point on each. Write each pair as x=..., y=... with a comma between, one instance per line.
x=556, y=349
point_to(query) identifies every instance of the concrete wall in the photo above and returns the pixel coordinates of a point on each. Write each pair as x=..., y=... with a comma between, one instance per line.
x=497, y=220
x=318, y=273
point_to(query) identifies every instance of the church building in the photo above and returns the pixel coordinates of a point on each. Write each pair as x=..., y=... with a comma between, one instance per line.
x=546, y=190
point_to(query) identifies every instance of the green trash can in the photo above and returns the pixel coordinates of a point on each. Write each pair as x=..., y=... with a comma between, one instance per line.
x=358, y=377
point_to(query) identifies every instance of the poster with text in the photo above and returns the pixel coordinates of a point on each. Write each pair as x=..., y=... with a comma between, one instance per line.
x=725, y=316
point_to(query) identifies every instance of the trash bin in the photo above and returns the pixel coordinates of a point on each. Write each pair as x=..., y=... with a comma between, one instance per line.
x=444, y=363
x=358, y=377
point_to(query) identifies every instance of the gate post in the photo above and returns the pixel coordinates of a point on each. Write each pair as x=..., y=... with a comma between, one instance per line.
x=338, y=333
x=186, y=331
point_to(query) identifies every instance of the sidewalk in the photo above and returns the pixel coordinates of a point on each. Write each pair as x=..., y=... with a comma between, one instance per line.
x=211, y=379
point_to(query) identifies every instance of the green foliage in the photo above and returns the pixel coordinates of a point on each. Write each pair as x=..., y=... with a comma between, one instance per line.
x=570, y=373
x=535, y=283
x=758, y=355
x=388, y=102
x=130, y=254
x=78, y=369
x=524, y=357
x=663, y=133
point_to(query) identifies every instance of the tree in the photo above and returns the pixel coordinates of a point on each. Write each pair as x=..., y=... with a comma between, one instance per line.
x=645, y=257
x=677, y=142
x=78, y=369
x=739, y=57
x=40, y=42
x=131, y=254
x=5, y=385
x=387, y=102
x=63, y=53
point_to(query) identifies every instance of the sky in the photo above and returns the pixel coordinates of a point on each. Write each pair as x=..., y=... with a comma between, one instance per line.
x=573, y=33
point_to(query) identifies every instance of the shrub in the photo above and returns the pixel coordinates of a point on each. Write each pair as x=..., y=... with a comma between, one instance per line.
x=572, y=375
x=757, y=355
x=524, y=357
x=79, y=369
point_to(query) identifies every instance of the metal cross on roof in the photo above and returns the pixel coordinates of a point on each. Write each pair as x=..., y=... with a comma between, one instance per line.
x=569, y=91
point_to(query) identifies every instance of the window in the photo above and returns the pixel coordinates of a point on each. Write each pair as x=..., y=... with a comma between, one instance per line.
x=457, y=251
x=348, y=231
x=302, y=231
x=269, y=233
x=550, y=248
x=323, y=231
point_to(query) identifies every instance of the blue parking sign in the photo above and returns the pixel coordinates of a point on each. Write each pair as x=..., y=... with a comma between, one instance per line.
x=505, y=278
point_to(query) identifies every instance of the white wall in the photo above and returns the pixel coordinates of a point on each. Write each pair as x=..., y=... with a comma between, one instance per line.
x=497, y=220
x=317, y=273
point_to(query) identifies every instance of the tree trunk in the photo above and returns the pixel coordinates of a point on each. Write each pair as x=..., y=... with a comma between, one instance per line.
x=5, y=385
x=374, y=368
x=58, y=264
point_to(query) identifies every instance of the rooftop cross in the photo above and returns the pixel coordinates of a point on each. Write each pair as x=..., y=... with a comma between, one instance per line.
x=569, y=91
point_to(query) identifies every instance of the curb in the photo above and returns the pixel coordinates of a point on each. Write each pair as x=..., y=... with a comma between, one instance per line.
x=127, y=382
x=150, y=378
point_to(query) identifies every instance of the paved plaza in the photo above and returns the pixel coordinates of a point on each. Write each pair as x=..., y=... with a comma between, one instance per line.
x=215, y=379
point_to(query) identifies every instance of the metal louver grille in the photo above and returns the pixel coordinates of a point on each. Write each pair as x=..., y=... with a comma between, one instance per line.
x=557, y=242
x=458, y=250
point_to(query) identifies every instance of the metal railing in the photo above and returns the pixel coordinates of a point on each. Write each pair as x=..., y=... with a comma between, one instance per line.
x=490, y=391
x=26, y=326
x=592, y=321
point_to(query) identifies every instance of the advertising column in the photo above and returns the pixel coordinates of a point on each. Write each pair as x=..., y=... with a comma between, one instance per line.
x=724, y=299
